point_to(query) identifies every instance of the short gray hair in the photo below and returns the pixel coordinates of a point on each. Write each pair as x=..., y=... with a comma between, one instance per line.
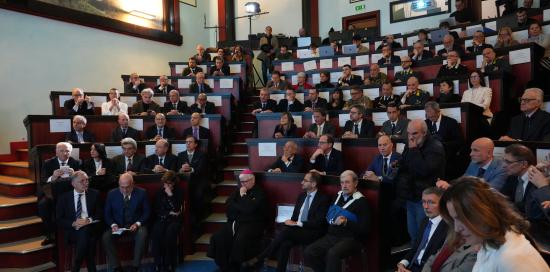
x=81, y=118
x=129, y=141
x=147, y=91
x=349, y=173
x=78, y=174
x=67, y=144
x=432, y=105
x=537, y=91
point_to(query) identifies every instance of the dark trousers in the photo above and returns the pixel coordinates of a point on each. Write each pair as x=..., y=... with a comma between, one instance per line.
x=326, y=254
x=285, y=240
x=84, y=241
x=164, y=243
x=46, y=208
x=140, y=237
x=198, y=190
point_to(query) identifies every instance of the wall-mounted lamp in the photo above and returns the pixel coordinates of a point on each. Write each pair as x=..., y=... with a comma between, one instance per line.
x=252, y=7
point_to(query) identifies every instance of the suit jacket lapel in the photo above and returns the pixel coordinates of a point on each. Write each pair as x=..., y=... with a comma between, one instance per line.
x=298, y=206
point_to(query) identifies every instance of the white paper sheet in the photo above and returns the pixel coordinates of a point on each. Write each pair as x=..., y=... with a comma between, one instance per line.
x=520, y=56
x=491, y=25
x=310, y=65
x=343, y=61
x=267, y=149
x=342, y=119
x=372, y=93
x=217, y=100
x=304, y=54
x=384, y=70
x=315, y=78
x=399, y=147
x=159, y=100
x=362, y=60
x=468, y=43
x=149, y=150
x=226, y=83
x=297, y=120
x=277, y=96
x=397, y=68
x=325, y=95
x=98, y=100
x=183, y=83
x=411, y=40
x=439, y=47
x=300, y=97
x=498, y=152
x=546, y=15
x=178, y=148
x=189, y=99
x=375, y=57
x=205, y=122
x=456, y=86
x=337, y=146
x=379, y=118
x=401, y=53
x=359, y=72
x=400, y=90
x=204, y=68
x=325, y=63
x=210, y=82
x=428, y=87
x=347, y=94
x=546, y=106
x=542, y=154
x=294, y=79
x=377, y=43
x=492, y=40
x=334, y=76
x=112, y=151
x=136, y=123
x=179, y=68
x=234, y=68
x=60, y=125
x=284, y=212
x=129, y=100
x=453, y=113
x=479, y=61
x=63, y=98
x=287, y=66
x=75, y=153
x=520, y=35
x=416, y=114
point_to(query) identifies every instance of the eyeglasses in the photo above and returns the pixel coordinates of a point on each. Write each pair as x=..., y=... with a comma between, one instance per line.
x=189, y=142
x=354, y=93
x=305, y=180
x=475, y=76
x=321, y=142
x=526, y=100
x=511, y=162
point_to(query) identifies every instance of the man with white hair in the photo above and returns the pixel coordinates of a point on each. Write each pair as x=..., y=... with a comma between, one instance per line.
x=449, y=45
x=174, y=106
x=78, y=135
x=146, y=106
x=163, y=88
x=79, y=104
x=129, y=161
x=123, y=129
x=533, y=124
x=202, y=56
x=200, y=85
x=55, y=170
x=240, y=238
x=161, y=161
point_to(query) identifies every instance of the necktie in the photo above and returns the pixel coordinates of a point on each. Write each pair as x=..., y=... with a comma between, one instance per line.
x=356, y=129
x=78, y=207
x=160, y=132
x=190, y=157
x=263, y=106
x=161, y=161
x=129, y=165
x=392, y=128
x=526, y=126
x=319, y=130
x=195, y=133
x=518, y=198
x=200, y=88
x=385, y=167
x=313, y=104
x=124, y=132
x=480, y=172
x=276, y=84
x=80, y=137
x=175, y=105
x=423, y=242
x=305, y=211
x=288, y=107
x=326, y=161
x=434, y=128
x=127, y=217
x=63, y=163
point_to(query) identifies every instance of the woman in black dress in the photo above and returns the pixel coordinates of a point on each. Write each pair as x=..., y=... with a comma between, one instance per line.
x=336, y=100
x=286, y=127
x=99, y=168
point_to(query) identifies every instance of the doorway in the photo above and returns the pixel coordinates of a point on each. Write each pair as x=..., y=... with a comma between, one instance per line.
x=367, y=20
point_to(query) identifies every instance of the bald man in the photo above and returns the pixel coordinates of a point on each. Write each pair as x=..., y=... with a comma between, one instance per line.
x=484, y=165
x=202, y=56
x=79, y=104
x=289, y=161
x=407, y=72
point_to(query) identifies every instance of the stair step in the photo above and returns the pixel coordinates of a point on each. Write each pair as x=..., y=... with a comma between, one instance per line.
x=25, y=253
x=217, y=200
x=21, y=164
x=226, y=187
x=216, y=218
x=198, y=256
x=16, y=168
x=22, y=154
x=49, y=266
x=19, y=229
x=204, y=239
x=238, y=147
x=17, y=207
x=236, y=159
x=228, y=172
x=16, y=186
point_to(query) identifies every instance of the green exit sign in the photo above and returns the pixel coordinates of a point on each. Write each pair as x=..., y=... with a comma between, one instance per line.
x=359, y=7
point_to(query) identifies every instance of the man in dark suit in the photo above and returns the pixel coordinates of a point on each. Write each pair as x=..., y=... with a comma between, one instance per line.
x=450, y=45
x=196, y=130
x=276, y=83
x=202, y=105
x=174, y=106
x=492, y=65
x=347, y=229
x=387, y=97
x=123, y=130
x=219, y=68
x=135, y=85
x=161, y=161
x=146, y=106
x=79, y=104
x=433, y=232
x=320, y=125
x=78, y=135
x=533, y=124
x=163, y=88
x=422, y=165
x=347, y=78
x=326, y=160
x=199, y=86
x=290, y=103
x=126, y=207
x=395, y=127
x=388, y=58
x=55, y=172
x=419, y=53
x=289, y=162
x=128, y=161
x=202, y=56
x=306, y=225
x=77, y=212
x=314, y=101
x=357, y=126
x=237, y=240
x=160, y=130
x=383, y=167
x=478, y=43
x=192, y=69
x=265, y=104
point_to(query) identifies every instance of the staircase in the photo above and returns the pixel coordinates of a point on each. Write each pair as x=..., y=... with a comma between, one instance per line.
x=20, y=228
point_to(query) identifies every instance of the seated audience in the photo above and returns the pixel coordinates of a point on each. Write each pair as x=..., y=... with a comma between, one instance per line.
x=387, y=57
x=527, y=4
x=174, y=106
x=336, y=100
x=200, y=85
x=123, y=130
x=202, y=105
x=313, y=48
x=129, y=161
x=450, y=45
x=55, y=171
x=126, y=207
x=239, y=239
x=135, y=85
x=387, y=97
x=390, y=41
x=462, y=13
x=301, y=84
x=283, y=53
x=276, y=83
x=540, y=177
x=348, y=227
x=237, y=54
x=505, y=38
x=356, y=40
x=383, y=167
x=432, y=232
x=423, y=38
x=192, y=69
x=146, y=106
x=98, y=164
x=453, y=68
x=286, y=127
x=407, y=72
x=523, y=19
x=76, y=212
x=419, y=53
x=395, y=127
x=160, y=130
x=483, y=216
x=533, y=124
x=196, y=130
x=161, y=161
x=290, y=103
x=306, y=225
x=320, y=125
x=202, y=56
x=163, y=87
x=324, y=81
x=414, y=96
x=78, y=135
x=358, y=126
x=336, y=47
x=219, y=68
x=326, y=160
x=220, y=53
x=447, y=93
x=478, y=43
x=536, y=35
x=492, y=65
x=375, y=76
x=168, y=208
x=348, y=78
x=357, y=98
x=314, y=102
x=265, y=104
x=478, y=94
x=114, y=105
x=289, y=162
x=79, y=104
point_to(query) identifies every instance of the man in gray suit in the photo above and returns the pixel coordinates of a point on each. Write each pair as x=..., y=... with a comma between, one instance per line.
x=483, y=165
x=129, y=161
x=320, y=126
x=394, y=127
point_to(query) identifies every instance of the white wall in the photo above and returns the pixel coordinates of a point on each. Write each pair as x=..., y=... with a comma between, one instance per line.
x=285, y=16
x=38, y=55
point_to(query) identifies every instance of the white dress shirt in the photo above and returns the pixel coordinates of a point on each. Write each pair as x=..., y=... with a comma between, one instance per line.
x=435, y=222
x=481, y=96
x=84, y=213
x=105, y=108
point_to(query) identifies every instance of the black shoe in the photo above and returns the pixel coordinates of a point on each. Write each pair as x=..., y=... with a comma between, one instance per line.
x=254, y=262
x=47, y=241
x=118, y=269
x=132, y=269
